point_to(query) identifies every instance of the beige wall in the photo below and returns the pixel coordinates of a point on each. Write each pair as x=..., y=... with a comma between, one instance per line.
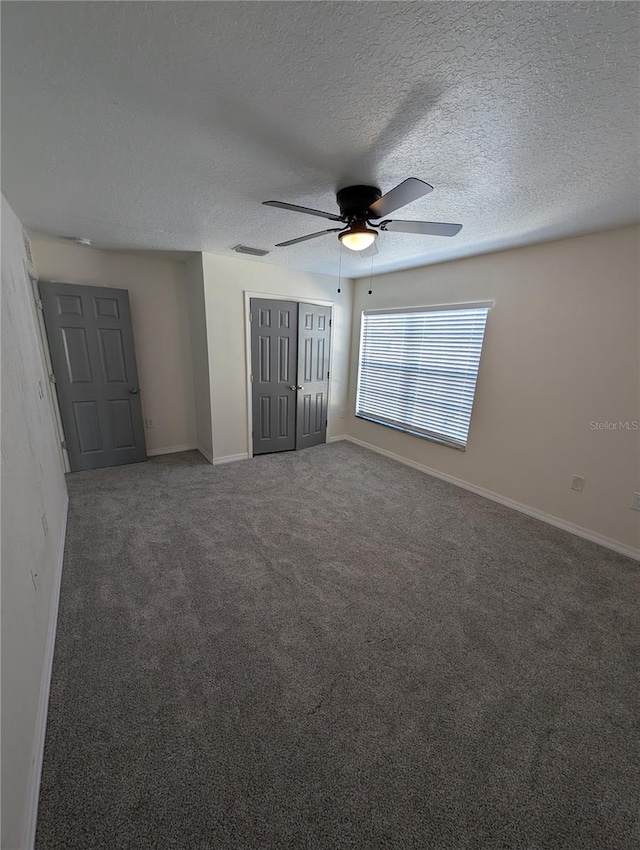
x=225, y=281
x=160, y=315
x=33, y=488
x=199, y=354
x=561, y=351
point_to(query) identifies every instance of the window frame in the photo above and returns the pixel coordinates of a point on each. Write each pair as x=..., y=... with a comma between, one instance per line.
x=431, y=308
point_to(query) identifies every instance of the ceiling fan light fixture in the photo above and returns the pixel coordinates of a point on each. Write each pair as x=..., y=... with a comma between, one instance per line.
x=357, y=237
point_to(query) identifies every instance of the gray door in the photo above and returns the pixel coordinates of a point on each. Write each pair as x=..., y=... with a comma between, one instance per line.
x=290, y=374
x=314, y=324
x=274, y=337
x=91, y=342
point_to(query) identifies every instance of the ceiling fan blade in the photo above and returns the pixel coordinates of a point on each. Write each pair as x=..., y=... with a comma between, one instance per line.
x=409, y=190
x=426, y=228
x=310, y=236
x=282, y=205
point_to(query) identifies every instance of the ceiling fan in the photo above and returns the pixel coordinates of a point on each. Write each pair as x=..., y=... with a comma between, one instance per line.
x=360, y=204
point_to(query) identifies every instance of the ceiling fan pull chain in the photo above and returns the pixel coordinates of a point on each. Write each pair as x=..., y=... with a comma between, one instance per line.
x=371, y=276
x=340, y=268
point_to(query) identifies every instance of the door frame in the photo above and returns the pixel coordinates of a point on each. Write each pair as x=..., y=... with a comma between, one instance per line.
x=46, y=354
x=248, y=295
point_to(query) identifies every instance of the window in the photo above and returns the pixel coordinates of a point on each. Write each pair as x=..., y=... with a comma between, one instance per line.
x=418, y=369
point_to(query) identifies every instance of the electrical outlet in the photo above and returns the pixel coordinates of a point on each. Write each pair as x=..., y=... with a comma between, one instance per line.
x=343, y=414
x=577, y=483
x=45, y=524
x=635, y=502
x=149, y=422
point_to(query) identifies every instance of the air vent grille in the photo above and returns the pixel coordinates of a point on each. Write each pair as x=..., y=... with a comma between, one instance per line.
x=245, y=249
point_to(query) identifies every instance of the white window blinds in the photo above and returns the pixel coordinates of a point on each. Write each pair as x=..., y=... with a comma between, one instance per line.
x=418, y=369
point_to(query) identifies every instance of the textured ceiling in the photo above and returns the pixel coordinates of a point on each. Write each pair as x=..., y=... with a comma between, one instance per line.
x=163, y=125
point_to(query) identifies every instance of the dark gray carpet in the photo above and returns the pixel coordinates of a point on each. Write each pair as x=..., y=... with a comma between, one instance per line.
x=326, y=649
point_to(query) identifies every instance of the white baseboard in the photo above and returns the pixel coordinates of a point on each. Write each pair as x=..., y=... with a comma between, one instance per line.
x=169, y=450
x=230, y=458
x=578, y=530
x=205, y=454
x=31, y=814
x=337, y=438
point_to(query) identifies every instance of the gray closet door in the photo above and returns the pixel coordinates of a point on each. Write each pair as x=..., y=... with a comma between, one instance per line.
x=91, y=342
x=274, y=329
x=314, y=334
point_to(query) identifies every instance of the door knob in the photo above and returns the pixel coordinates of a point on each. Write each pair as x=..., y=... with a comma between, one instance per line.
x=299, y=387
x=293, y=387
x=134, y=390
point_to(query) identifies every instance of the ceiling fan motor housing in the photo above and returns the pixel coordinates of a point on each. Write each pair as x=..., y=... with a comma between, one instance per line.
x=354, y=201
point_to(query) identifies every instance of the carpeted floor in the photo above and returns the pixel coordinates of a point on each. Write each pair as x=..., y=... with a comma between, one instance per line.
x=328, y=650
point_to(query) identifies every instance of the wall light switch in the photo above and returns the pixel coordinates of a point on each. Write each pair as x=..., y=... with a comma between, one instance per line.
x=149, y=422
x=40, y=390
x=577, y=483
x=635, y=502
x=45, y=524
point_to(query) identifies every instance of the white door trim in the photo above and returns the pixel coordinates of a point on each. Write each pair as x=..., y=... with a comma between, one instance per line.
x=248, y=295
x=51, y=393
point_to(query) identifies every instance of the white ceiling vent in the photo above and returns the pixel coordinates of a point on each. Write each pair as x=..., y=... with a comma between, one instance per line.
x=79, y=240
x=244, y=249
